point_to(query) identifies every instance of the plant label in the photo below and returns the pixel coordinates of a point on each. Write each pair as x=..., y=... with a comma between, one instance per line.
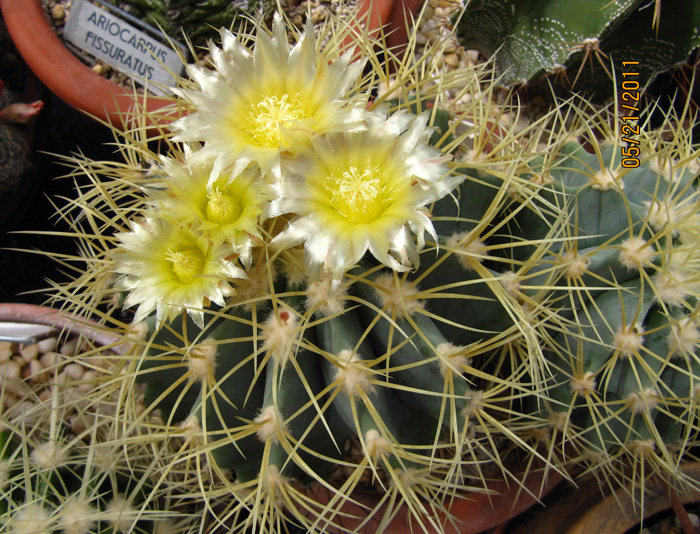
x=112, y=36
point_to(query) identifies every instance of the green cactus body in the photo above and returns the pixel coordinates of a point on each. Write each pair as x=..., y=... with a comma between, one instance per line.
x=555, y=281
x=550, y=295
x=52, y=479
x=614, y=359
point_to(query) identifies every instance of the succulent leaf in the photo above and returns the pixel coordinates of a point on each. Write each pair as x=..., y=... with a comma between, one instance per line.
x=585, y=43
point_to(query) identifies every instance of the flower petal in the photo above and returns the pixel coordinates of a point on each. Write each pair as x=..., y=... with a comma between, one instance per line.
x=363, y=191
x=255, y=107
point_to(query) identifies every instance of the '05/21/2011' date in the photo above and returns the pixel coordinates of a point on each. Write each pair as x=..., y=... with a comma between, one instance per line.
x=630, y=101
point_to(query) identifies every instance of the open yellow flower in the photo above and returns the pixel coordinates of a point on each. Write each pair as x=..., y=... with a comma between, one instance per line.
x=360, y=191
x=223, y=209
x=256, y=105
x=170, y=269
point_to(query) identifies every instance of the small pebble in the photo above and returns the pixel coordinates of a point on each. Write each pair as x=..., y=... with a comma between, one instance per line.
x=430, y=24
x=318, y=16
x=58, y=12
x=69, y=348
x=432, y=34
x=5, y=351
x=139, y=409
x=51, y=359
x=10, y=370
x=452, y=60
x=74, y=371
x=438, y=61
x=89, y=379
x=48, y=345
x=100, y=363
x=77, y=425
x=452, y=46
x=62, y=378
x=9, y=399
x=473, y=55
x=30, y=353
x=37, y=372
x=24, y=409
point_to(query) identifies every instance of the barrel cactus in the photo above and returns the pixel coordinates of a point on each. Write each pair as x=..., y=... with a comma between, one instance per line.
x=617, y=293
x=322, y=289
x=67, y=464
x=580, y=46
x=77, y=484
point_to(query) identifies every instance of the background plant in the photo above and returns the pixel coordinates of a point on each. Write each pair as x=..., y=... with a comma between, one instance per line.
x=198, y=20
x=579, y=48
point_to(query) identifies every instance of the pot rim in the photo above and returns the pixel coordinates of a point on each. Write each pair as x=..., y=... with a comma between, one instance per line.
x=59, y=321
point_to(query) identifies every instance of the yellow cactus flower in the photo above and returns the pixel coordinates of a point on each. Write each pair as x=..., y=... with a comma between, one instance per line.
x=360, y=191
x=253, y=106
x=172, y=269
x=223, y=209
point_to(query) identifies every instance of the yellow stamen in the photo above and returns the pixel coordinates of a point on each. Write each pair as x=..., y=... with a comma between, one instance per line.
x=269, y=115
x=358, y=194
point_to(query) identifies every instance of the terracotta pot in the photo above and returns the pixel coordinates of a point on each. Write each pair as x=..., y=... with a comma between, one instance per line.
x=585, y=510
x=472, y=513
x=75, y=83
x=393, y=15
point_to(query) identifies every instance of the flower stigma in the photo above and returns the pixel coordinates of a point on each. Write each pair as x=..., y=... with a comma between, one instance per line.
x=358, y=194
x=267, y=118
x=222, y=208
x=187, y=264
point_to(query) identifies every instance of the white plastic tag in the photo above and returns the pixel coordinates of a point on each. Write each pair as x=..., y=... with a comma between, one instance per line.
x=108, y=36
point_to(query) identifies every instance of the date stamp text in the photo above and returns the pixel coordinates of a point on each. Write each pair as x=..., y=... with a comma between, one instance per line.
x=630, y=118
